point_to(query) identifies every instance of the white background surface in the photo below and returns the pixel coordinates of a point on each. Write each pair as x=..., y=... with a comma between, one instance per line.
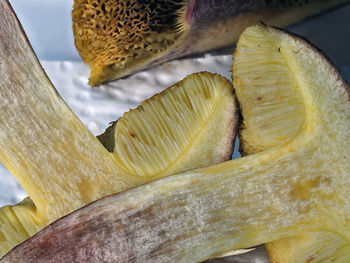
x=48, y=26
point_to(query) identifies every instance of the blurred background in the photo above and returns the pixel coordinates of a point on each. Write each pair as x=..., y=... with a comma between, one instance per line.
x=48, y=26
x=49, y=29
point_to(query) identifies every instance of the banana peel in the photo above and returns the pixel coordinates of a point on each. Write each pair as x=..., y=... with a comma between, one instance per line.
x=62, y=166
x=119, y=38
x=295, y=187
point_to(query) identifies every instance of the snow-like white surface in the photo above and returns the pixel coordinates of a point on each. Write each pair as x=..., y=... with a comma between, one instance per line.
x=98, y=106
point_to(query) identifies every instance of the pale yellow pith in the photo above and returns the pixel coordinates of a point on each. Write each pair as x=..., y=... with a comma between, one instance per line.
x=311, y=247
x=272, y=103
x=147, y=146
x=274, y=115
x=171, y=134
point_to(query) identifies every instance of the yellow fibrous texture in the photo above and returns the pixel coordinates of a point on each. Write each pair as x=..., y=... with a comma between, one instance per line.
x=266, y=86
x=189, y=125
x=18, y=222
x=166, y=132
x=268, y=93
x=111, y=35
x=311, y=248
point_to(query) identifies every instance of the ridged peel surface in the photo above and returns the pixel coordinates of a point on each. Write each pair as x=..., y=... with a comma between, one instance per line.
x=176, y=128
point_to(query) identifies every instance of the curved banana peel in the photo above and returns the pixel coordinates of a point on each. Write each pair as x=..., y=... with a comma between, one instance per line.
x=119, y=38
x=284, y=191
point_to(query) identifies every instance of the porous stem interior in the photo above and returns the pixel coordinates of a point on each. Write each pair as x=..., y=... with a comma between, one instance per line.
x=116, y=33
